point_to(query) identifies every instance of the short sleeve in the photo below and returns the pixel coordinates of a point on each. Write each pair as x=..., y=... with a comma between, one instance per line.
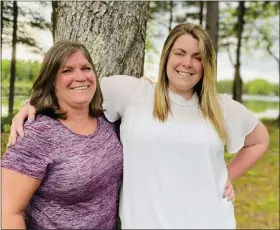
x=117, y=92
x=31, y=154
x=239, y=123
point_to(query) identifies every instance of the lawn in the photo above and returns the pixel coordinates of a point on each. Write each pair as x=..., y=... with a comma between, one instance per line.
x=257, y=192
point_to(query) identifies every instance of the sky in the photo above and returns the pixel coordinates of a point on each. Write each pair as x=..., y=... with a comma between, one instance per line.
x=258, y=64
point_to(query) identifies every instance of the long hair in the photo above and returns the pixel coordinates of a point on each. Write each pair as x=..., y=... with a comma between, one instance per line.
x=43, y=96
x=205, y=88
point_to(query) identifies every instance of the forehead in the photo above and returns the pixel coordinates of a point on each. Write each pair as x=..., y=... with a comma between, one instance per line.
x=188, y=43
x=77, y=56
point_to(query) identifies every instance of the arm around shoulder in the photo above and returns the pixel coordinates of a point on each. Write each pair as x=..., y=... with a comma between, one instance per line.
x=117, y=91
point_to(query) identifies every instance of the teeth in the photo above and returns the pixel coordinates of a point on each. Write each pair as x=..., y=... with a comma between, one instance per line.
x=184, y=74
x=81, y=88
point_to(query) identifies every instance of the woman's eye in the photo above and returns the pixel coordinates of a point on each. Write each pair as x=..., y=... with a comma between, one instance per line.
x=198, y=58
x=178, y=54
x=66, y=71
x=86, y=68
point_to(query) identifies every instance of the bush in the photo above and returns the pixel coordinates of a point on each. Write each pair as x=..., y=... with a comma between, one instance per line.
x=6, y=122
x=21, y=89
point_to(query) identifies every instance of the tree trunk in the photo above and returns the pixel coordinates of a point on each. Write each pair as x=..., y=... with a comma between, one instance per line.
x=212, y=22
x=2, y=24
x=54, y=13
x=201, y=5
x=237, y=84
x=13, y=60
x=171, y=15
x=113, y=32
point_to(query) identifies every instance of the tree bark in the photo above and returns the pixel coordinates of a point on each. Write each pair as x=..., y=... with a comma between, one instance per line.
x=201, y=5
x=2, y=24
x=113, y=32
x=237, y=83
x=13, y=60
x=212, y=22
x=171, y=15
x=54, y=13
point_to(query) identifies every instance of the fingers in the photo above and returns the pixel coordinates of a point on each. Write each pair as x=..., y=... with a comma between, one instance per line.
x=31, y=114
x=9, y=141
x=148, y=79
x=231, y=197
x=12, y=134
x=17, y=123
x=229, y=191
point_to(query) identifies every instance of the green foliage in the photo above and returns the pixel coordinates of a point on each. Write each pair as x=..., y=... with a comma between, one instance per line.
x=225, y=86
x=21, y=89
x=261, y=87
x=261, y=27
x=157, y=7
x=30, y=17
x=6, y=122
x=254, y=87
x=26, y=71
x=260, y=106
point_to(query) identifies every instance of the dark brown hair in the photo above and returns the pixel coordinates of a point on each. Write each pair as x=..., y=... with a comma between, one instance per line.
x=43, y=96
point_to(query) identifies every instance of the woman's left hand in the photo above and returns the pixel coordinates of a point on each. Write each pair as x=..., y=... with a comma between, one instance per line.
x=229, y=191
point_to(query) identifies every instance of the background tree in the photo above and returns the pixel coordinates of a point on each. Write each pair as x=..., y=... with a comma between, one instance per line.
x=212, y=22
x=113, y=32
x=231, y=37
x=16, y=21
x=194, y=12
x=160, y=10
x=237, y=83
x=53, y=18
x=266, y=33
x=13, y=60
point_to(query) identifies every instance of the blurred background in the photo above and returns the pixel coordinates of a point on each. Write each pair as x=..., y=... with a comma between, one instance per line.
x=246, y=39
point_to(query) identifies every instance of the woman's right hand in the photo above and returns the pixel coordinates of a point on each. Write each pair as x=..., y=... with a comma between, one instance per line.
x=27, y=111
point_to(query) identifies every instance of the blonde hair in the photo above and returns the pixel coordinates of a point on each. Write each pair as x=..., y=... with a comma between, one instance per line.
x=205, y=88
x=43, y=96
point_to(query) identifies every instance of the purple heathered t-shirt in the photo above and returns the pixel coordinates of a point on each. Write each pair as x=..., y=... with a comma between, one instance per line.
x=80, y=174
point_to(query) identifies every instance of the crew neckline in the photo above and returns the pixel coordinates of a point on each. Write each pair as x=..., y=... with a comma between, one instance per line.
x=94, y=133
x=179, y=100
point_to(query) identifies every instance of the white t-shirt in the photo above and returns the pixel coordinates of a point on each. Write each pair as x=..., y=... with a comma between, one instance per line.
x=174, y=172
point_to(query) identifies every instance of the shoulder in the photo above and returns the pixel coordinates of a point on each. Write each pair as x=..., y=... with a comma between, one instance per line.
x=223, y=99
x=41, y=126
x=104, y=122
x=227, y=102
x=128, y=82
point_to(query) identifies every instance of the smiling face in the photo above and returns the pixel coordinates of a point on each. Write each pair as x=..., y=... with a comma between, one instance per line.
x=184, y=67
x=76, y=82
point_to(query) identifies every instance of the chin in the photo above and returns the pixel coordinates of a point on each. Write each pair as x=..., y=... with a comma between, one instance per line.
x=182, y=87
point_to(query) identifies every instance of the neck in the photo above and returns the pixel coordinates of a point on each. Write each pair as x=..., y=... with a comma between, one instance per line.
x=186, y=94
x=79, y=121
x=77, y=115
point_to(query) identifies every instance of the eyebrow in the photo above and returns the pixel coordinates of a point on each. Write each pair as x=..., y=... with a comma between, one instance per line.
x=69, y=66
x=195, y=54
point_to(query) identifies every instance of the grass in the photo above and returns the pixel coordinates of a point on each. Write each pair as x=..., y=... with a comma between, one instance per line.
x=257, y=192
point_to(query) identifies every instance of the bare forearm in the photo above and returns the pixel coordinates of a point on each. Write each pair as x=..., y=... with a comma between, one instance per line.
x=13, y=221
x=244, y=159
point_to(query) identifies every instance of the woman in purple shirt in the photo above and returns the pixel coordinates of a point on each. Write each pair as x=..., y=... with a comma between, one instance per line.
x=66, y=171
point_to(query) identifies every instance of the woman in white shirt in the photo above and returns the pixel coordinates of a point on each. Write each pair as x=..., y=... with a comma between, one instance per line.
x=173, y=134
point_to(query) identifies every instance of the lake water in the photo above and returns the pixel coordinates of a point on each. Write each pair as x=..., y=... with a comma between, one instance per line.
x=261, y=106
